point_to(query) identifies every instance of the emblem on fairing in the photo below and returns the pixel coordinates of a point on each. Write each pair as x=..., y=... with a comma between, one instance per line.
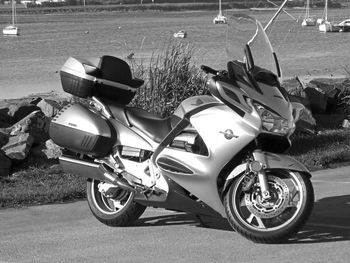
x=228, y=134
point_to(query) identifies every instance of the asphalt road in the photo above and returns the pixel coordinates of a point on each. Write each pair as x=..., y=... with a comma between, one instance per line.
x=69, y=233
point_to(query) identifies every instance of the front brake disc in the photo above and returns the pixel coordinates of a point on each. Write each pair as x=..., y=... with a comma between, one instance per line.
x=272, y=207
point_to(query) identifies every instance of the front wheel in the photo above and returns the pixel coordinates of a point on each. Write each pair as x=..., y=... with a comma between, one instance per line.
x=120, y=209
x=274, y=219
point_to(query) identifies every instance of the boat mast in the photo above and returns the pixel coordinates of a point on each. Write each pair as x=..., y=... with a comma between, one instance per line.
x=326, y=11
x=220, y=7
x=307, y=14
x=13, y=11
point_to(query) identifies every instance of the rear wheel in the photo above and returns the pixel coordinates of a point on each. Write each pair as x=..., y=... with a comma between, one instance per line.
x=118, y=209
x=275, y=219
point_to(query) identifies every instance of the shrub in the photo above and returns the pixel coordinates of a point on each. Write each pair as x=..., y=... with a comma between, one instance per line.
x=344, y=95
x=170, y=78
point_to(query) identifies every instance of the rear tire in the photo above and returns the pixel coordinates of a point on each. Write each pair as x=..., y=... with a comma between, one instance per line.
x=120, y=210
x=274, y=220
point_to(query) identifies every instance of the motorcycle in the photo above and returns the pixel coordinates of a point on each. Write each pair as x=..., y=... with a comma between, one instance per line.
x=218, y=155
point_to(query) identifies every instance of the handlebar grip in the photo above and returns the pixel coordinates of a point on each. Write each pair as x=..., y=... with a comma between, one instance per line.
x=207, y=69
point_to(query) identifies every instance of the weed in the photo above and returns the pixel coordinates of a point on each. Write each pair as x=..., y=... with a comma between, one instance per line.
x=170, y=79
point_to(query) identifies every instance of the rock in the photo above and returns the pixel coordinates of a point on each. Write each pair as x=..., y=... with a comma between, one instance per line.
x=48, y=150
x=19, y=112
x=3, y=139
x=328, y=84
x=49, y=107
x=318, y=99
x=333, y=99
x=296, y=92
x=5, y=165
x=306, y=122
x=329, y=121
x=52, y=150
x=346, y=124
x=300, y=98
x=18, y=146
x=36, y=124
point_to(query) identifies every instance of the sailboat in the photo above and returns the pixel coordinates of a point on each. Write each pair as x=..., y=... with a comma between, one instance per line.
x=308, y=20
x=220, y=19
x=12, y=29
x=325, y=25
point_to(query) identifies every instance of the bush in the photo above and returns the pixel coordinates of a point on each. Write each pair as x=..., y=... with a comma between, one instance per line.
x=344, y=95
x=170, y=78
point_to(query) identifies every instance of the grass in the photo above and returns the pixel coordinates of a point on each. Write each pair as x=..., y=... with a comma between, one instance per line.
x=36, y=182
x=39, y=182
x=170, y=78
x=327, y=149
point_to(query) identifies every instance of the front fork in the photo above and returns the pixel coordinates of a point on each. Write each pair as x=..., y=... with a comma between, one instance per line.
x=256, y=169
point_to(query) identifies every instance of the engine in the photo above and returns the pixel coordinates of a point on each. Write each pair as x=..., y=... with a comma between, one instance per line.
x=81, y=130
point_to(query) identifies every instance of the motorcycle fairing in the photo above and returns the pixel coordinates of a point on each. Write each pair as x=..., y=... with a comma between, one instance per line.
x=211, y=124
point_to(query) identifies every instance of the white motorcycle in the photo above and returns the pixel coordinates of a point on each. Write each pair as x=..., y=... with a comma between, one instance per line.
x=218, y=155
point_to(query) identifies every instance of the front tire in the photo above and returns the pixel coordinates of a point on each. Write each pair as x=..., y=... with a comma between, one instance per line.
x=273, y=220
x=119, y=210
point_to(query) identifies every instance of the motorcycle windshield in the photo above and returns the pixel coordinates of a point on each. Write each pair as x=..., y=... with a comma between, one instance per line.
x=246, y=31
x=247, y=42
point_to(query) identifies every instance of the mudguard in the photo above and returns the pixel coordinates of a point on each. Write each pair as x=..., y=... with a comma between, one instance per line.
x=270, y=161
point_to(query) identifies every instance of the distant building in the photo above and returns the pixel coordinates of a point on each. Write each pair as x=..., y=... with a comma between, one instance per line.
x=25, y=2
x=40, y=2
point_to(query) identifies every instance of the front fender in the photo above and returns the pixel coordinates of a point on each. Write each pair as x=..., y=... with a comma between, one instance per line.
x=270, y=161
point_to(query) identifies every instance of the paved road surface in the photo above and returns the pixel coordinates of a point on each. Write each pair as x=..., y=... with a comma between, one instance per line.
x=69, y=233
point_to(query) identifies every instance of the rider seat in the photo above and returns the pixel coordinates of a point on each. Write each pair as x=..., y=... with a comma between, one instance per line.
x=152, y=125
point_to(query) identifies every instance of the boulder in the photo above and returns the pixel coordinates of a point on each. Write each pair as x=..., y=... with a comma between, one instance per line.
x=49, y=107
x=5, y=165
x=306, y=122
x=297, y=92
x=318, y=99
x=329, y=121
x=3, y=139
x=18, y=112
x=36, y=124
x=300, y=97
x=328, y=84
x=333, y=100
x=346, y=124
x=48, y=150
x=17, y=147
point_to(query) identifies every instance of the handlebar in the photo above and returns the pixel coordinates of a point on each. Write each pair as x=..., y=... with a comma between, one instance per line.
x=210, y=70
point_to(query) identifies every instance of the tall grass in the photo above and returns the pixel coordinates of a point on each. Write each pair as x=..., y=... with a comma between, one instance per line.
x=344, y=95
x=170, y=78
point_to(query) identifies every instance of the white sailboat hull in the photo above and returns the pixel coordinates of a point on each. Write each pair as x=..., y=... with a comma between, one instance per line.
x=220, y=19
x=310, y=21
x=10, y=31
x=328, y=27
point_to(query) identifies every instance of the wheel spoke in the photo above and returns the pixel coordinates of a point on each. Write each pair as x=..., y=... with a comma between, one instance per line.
x=250, y=218
x=117, y=204
x=258, y=220
x=111, y=205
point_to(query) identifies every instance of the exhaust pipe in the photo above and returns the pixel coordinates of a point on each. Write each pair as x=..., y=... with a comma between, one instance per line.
x=93, y=170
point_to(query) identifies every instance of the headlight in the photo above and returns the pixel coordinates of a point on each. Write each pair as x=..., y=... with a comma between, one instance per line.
x=271, y=122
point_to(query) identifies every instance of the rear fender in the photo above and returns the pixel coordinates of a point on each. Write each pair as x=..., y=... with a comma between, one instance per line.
x=269, y=161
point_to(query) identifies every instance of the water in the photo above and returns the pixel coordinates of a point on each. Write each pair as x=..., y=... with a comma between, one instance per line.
x=30, y=63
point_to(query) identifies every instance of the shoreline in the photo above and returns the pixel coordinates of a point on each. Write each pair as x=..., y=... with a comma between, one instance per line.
x=60, y=93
